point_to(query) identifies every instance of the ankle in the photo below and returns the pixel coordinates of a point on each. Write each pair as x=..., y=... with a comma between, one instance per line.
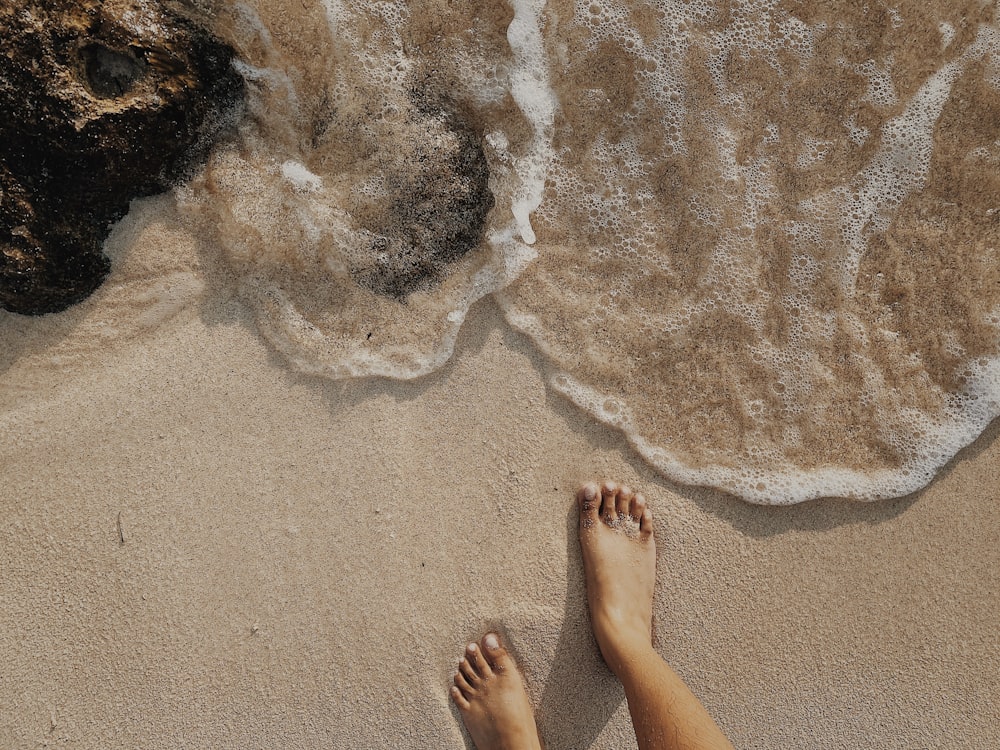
x=524, y=740
x=625, y=648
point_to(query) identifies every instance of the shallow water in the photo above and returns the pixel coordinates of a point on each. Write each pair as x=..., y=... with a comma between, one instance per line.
x=759, y=238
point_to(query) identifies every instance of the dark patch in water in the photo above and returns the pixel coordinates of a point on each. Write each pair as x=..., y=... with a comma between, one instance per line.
x=437, y=205
x=91, y=117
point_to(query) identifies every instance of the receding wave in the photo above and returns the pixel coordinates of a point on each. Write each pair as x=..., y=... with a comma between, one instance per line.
x=768, y=244
x=760, y=237
x=384, y=180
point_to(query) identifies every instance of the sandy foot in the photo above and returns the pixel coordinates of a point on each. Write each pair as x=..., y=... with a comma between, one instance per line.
x=490, y=694
x=619, y=559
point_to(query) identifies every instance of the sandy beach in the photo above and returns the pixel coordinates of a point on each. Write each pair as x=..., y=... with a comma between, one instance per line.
x=202, y=549
x=761, y=239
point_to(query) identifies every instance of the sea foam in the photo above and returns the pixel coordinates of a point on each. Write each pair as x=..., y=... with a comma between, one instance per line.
x=751, y=246
x=297, y=202
x=759, y=237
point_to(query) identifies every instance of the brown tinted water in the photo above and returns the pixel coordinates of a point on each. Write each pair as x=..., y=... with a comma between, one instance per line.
x=759, y=238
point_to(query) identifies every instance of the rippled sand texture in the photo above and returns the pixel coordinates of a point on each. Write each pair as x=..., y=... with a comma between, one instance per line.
x=768, y=244
x=758, y=237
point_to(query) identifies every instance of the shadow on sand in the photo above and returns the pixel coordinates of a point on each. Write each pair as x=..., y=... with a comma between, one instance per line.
x=579, y=676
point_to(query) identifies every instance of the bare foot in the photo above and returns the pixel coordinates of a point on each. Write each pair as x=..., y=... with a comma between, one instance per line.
x=619, y=559
x=490, y=694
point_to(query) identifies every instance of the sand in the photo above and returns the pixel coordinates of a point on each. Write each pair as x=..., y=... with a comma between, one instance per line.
x=202, y=549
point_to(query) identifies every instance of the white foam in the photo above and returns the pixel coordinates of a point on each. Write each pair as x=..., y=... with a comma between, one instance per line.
x=696, y=148
x=898, y=168
x=947, y=34
x=529, y=85
x=832, y=230
x=300, y=177
x=284, y=205
x=778, y=484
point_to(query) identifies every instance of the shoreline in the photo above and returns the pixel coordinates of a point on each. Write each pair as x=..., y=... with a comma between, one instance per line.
x=304, y=560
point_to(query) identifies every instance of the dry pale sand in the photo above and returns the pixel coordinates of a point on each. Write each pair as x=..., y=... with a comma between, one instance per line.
x=304, y=560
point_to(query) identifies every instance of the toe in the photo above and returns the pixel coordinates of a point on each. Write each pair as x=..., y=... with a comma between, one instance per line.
x=609, y=502
x=460, y=700
x=646, y=524
x=497, y=656
x=474, y=657
x=589, y=499
x=468, y=670
x=625, y=496
x=637, y=507
x=463, y=684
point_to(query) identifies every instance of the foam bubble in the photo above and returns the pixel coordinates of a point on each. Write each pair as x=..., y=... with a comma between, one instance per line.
x=761, y=243
x=734, y=300
x=351, y=166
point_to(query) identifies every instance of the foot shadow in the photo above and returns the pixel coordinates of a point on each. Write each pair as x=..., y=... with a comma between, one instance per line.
x=581, y=694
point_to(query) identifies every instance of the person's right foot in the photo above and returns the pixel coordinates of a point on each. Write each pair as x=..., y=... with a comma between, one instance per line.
x=619, y=559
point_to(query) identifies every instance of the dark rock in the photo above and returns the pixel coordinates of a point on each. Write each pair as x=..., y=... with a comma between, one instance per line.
x=100, y=103
x=438, y=199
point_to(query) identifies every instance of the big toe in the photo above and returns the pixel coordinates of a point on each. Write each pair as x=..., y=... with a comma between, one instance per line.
x=497, y=656
x=589, y=499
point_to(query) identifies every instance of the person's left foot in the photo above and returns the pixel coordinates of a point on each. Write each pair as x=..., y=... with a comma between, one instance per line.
x=490, y=693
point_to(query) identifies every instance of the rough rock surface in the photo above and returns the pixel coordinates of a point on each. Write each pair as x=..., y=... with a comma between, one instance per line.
x=100, y=103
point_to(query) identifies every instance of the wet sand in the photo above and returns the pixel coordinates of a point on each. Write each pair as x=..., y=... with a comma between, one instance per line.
x=201, y=549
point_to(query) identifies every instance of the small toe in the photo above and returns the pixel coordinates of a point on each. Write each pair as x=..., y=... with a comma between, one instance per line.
x=637, y=507
x=460, y=700
x=589, y=499
x=625, y=496
x=497, y=656
x=468, y=669
x=646, y=524
x=609, y=504
x=463, y=684
x=474, y=657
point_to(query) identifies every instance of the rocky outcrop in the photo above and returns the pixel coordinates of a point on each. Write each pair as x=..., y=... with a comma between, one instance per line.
x=100, y=103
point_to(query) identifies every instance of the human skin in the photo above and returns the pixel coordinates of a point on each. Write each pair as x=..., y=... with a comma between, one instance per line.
x=619, y=557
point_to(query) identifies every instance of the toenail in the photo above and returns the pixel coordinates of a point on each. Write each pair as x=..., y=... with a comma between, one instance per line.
x=491, y=642
x=589, y=492
x=472, y=647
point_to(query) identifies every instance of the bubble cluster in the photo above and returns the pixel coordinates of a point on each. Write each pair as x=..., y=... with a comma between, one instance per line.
x=722, y=268
x=760, y=238
x=381, y=186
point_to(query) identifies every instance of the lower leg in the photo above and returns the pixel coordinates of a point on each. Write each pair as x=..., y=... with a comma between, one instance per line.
x=619, y=557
